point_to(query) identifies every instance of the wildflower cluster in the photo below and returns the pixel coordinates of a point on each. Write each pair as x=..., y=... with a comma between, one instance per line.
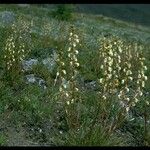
x=67, y=72
x=14, y=51
x=15, y=46
x=123, y=71
x=46, y=28
x=68, y=69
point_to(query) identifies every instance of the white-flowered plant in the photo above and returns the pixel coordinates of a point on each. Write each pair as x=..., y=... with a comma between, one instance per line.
x=15, y=48
x=67, y=72
x=123, y=72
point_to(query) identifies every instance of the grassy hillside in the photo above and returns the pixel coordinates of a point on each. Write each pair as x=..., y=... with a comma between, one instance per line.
x=75, y=99
x=134, y=13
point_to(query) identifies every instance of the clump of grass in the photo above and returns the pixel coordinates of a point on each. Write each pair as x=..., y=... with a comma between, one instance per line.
x=44, y=73
x=84, y=137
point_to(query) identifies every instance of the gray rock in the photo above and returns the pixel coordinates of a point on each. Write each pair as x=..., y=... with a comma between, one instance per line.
x=41, y=82
x=28, y=64
x=7, y=18
x=50, y=62
x=32, y=79
x=91, y=85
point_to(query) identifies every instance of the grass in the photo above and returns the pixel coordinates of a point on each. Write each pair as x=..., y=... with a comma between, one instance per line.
x=39, y=116
x=125, y=12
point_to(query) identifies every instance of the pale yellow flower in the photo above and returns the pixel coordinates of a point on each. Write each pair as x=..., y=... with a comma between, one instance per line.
x=101, y=80
x=64, y=71
x=127, y=109
x=147, y=102
x=68, y=102
x=67, y=95
x=77, y=64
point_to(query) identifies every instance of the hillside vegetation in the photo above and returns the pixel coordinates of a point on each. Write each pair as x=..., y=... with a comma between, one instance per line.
x=74, y=78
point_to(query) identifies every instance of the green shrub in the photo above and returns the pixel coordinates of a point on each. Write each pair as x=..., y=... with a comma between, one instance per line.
x=63, y=12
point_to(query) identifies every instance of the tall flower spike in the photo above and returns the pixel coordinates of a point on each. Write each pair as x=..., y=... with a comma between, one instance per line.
x=71, y=63
x=116, y=65
x=67, y=69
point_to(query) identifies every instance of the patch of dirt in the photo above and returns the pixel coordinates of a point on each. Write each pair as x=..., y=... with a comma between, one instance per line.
x=18, y=137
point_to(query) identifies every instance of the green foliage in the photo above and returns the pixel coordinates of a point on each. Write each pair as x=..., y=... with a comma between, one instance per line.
x=147, y=139
x=86, y=136
x=2, y=140
x=63, y=12
x=6, y=95
x=98, y=120
x=43, y=72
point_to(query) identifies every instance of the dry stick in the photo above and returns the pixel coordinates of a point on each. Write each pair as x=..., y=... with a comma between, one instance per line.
x=55, y=80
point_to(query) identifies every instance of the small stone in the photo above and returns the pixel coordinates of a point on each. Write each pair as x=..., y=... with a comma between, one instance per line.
x=28, y=64
x=31, y=78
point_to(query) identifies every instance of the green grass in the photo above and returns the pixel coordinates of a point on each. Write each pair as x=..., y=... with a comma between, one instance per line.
x=30, y=107
x=133, y=13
